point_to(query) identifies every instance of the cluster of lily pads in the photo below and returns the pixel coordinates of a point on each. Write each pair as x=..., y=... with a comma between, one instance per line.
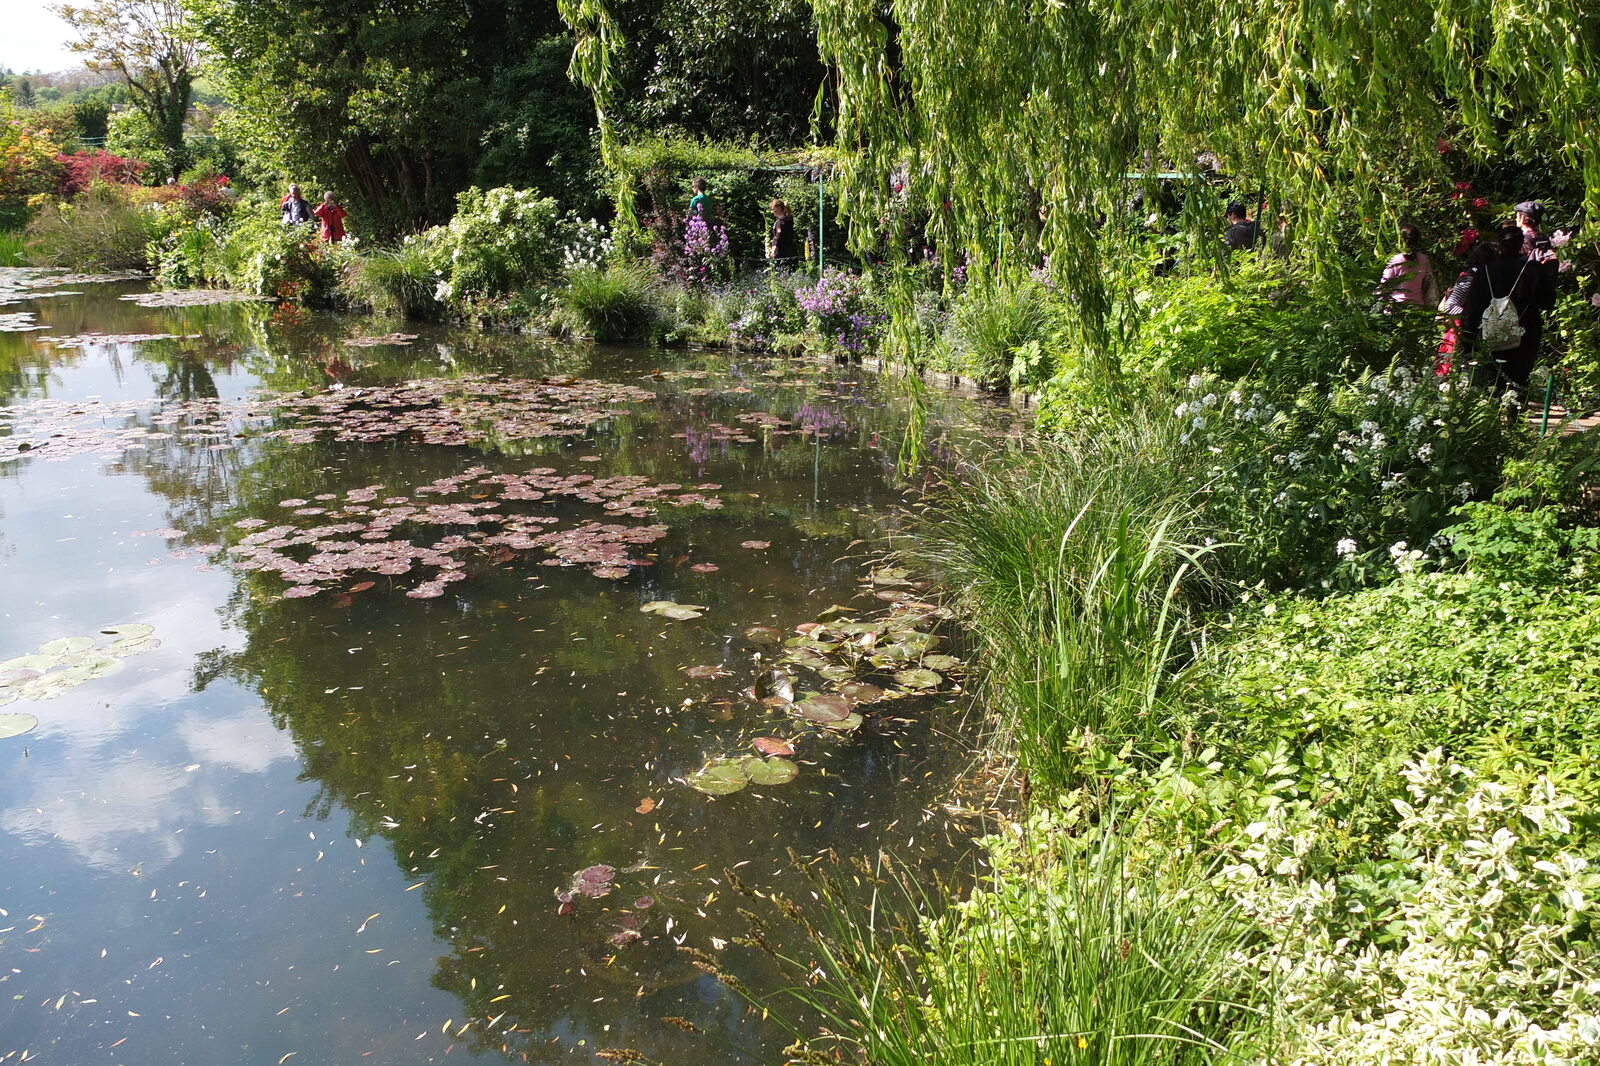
x=828, y=670
x=452, y=411
x=189, y=297
x=60, y=665
x=361, y=533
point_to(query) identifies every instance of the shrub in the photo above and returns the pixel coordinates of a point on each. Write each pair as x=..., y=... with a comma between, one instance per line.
x=611, y=303
x=100, y=230
x=263, y=256
x=1319, y=482
x=773, y=311
x=501, y=241
x=991, y=325
x=79, y=170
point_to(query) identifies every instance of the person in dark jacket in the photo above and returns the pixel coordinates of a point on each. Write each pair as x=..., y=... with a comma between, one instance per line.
x=296, y=210
x=783, y=248
x=1495, y=270
x=1242, y=233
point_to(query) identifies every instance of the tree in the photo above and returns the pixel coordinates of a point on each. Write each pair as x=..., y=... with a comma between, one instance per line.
x=146, y=43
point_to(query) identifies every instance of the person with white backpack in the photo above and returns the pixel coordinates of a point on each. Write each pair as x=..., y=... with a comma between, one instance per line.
x=1494, y=300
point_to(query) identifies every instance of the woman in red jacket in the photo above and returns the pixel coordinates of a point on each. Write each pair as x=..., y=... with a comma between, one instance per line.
x=332, y=218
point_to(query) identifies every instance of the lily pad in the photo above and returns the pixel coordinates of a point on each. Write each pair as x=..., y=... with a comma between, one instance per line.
x=823, y=709
x=721, y=778
x=774, y=771
x=704, y=673
x=918, y=677
x=763, y=635
x=772, y=746
x=29, y=662
x=682, y=613
x=129, y=630
x=848, y=724
x=595, y=881
x=14, y=724
x=66, y=646
x=133, y=646
x=942, y=663
x=861, y=691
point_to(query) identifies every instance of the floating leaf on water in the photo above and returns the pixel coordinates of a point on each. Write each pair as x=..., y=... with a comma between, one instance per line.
x=29, y=662
x=756, y=545
x=683, y=612
x=823, y=709
x=861, y=692
x=858, y=629
x=129, y=630
x=828, y=614
x=942, y=663
x=915, y=639
x=720, y=778
x=15, y=723
x=835, y=672
x=92, y=667
x=772, y=746
x=704, y=568
x=623, y=937
x=8, y=695
x=655, y=605
x=763, y=635
x=361, y=586
x=895, y=653
x=814, y=630
x=644, y=903
x=704, y=673
x=918, y=677
x=848, y=724
x=646, y=805
x=595, y=881
x=769, y=771
x=889, y=576
x=133, y=646
x=66, y=646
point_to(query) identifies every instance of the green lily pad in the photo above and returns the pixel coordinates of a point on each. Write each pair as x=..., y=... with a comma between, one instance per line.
x=763, y=635
x=14, y=724
x=895, y=653
x=133, y=645
x=682, y=613
x=918, y=677
x=66, y=646
x=720, y=778
x=29, y=662
x=942, y=663
x=848, y=724
x=9, y=695
x=655, y=605
x=915, y=639
x=836, y=671
x=775, y=771
x=857, y=629
x=129, y=630
x=892, y=575
x=861, y=692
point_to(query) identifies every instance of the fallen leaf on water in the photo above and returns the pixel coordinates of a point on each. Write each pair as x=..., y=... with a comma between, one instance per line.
x=646, y=805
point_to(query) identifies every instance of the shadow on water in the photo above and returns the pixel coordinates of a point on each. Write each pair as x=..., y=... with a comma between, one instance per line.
x=496, y=740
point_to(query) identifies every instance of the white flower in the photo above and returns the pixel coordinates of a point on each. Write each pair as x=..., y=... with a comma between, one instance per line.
x=1345, y=548
x=1195, y=381
x=1182, y=410
x=1210, y=399
x=1397, y=549
x=1425, y=453
x=1464, y=490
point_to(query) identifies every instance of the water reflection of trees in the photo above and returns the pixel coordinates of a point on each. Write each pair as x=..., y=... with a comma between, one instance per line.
x=502, y=738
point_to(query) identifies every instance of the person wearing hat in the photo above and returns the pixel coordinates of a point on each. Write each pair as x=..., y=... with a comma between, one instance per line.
x=1242, y=233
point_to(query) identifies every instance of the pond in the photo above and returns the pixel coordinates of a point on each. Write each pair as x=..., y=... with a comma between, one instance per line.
x=380, y=697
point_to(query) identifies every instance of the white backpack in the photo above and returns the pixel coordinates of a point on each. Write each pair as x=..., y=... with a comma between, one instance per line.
x=1501, y=329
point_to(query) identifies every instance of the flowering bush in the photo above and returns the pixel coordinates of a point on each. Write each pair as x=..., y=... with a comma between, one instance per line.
x=772, y=312
x=705, y=252
x=838, y=309
x=1365, y=464
x=28, y=165
x=501, y=241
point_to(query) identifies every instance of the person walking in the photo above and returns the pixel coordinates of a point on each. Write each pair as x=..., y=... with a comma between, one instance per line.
x=296, y=211
x=782, y=247
x=332, y=217
x=1408, y=275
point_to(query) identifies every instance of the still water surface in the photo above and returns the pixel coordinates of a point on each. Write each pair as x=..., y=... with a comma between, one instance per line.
x=332, y=828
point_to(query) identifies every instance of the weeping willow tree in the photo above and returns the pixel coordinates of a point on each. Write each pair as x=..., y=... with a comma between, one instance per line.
x=1007, y=129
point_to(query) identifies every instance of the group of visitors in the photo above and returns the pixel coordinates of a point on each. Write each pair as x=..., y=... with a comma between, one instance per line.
x=1494, y=309
x=783, y=245
x=298, y=212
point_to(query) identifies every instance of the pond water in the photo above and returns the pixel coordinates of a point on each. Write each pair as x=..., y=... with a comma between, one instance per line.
x=381, y=760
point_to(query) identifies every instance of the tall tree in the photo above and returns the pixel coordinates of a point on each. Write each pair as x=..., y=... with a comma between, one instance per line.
x=146, y=43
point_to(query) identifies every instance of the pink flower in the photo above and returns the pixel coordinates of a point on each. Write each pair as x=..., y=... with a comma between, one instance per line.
x=1444, y=146
x=1463, y=186
x=1480, y=201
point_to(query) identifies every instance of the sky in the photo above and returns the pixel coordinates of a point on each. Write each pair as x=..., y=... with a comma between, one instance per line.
x=34, y=38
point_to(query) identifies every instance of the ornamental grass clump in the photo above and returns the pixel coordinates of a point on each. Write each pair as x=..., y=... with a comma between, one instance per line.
x=1072, y=952
x=1074, y=564
x=619, y=302
x=399, y=280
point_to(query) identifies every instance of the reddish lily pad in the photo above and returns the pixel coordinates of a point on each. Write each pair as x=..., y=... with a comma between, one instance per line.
x=763, y=635
x=772, y=746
